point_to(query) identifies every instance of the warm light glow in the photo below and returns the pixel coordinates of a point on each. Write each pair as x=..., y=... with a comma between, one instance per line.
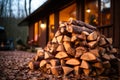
x=68, y=12
x=52, y=27
x=43, y=26
x=88, y=10
x=70, y=19
x=36, y=32
x=36, y=37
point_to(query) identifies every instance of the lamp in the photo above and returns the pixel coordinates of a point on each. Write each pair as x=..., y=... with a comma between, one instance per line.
x=88, y=10
x=43, y=25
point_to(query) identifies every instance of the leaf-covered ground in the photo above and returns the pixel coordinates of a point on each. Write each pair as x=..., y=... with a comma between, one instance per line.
x=14, y=66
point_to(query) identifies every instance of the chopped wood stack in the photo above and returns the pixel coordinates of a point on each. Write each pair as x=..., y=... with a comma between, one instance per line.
x=78, y=49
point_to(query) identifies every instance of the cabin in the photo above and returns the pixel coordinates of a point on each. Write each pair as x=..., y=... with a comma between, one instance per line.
x=43, y=23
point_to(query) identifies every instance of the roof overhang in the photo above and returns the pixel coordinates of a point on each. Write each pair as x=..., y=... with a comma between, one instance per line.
x=43, y=11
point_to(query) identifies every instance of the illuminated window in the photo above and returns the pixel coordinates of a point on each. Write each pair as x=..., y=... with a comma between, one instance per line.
x=91, y=12
x=97, y=14
x=36, y=32
x=105, y=12
x=67, y=13
x=51, y=26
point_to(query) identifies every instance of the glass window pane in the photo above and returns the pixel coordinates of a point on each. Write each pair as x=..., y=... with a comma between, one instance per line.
x=105, y=12
x=51, y=26
x=91, y=12
x=69, y=12
x=36, y=32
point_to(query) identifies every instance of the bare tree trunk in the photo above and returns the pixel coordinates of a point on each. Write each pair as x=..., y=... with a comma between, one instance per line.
x=30, y=6
x=18, y=8
x=1, y=7
x=10, y=8
x=25, y=5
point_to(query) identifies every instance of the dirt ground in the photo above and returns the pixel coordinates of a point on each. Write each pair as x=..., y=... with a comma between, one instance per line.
x=14, y=66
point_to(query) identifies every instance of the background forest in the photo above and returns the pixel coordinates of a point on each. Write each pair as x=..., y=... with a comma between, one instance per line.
x=12, y=12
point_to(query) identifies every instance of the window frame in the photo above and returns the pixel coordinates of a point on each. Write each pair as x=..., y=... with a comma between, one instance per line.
x=99, y=15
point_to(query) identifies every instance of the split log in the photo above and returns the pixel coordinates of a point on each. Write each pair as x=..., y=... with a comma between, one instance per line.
x=61, y=55
x=56, y=70
x=67, y=58
x=48, y=55
x=67, y=70
x=48, y=66
x=54, y=40
x=73, y=62
x=62, y=24
x=62, y=62
x=85, y=33
x=88, y=56
x=40, y=54
x=66, y=38
x=60, y=48
x=40, y=51
x=43, y=63
x=34, y=65
x=48, y=46
x=59, y=38
x=77, y=70
x=98, y=65
x=106, y=64
x=92, y=36
x=114, y=50
x=53, y=47
x=109, y=40
x=99, y=71
x=81, y=36
x=81, y=23
x=93, y=73
x=84, y=64
x=54, y=62
x=77, y=29
x=63, y=30
x=101, y=50
x=92, y=44
x=83, y=43
x=112, y=56
x=86, y=71
x=107, y=48
x=57, y=33
x=73, y=38
x=78, y=53
x=106, y=56
x=66, y=45
x=95, y=52
x=38, y=58
x=83, y=49
x=102, y=42
x=71, y=51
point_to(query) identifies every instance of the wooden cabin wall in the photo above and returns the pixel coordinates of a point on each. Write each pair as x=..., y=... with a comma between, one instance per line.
x=31, y=32
x=42, y=37
x=116, y=23
x=107, y=31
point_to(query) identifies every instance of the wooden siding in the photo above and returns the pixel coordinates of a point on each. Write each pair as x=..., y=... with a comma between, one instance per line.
x=106, y=30
x=116, y=22
x=31, y=33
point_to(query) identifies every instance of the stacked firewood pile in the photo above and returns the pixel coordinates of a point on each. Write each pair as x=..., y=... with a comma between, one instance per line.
x=77, y=49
